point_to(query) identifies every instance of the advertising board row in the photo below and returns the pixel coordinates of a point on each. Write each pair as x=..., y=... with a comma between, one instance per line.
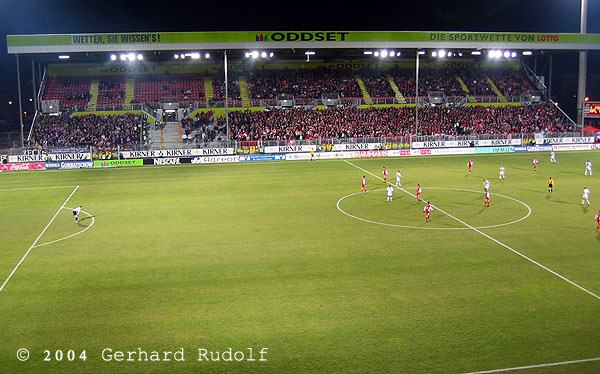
x=229, y=158
x=40, y=157
x=178, y=153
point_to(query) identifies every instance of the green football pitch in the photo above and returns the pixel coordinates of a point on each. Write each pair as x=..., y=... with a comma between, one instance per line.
x=288, y=262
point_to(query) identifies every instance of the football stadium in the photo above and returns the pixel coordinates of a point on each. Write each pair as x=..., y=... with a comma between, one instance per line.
x=300, y=201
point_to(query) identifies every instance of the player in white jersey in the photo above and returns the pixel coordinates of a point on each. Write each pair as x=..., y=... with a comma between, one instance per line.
x=398, y=177
x=486, y=185
x=553, y=157
x=76, y=212
x=586, y=196
x=390, y=192
x=588, y=167
x=502, y=177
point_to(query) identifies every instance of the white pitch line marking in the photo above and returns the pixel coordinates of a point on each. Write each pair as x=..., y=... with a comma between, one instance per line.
x=436, y=228
x=72, y=235
x=536, y=366
x=489, y=237
x=37, y=239
x=33, y=188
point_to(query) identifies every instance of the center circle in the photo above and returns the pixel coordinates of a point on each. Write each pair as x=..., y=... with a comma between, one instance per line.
x=373, y=208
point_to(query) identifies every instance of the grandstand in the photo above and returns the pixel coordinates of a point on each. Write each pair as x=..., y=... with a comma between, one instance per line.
x=170, y=86
x=447, y=94
x=278, y=250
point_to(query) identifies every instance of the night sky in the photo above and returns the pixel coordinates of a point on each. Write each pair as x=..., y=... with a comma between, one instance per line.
x=61, y=16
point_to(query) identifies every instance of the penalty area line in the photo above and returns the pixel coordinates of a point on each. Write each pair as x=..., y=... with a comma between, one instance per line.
x=536, y=366
x=487, y=236
x=37, y=239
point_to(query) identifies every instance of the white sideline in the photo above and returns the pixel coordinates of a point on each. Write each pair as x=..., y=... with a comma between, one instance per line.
x=487, y=236
x=33, y=188
x=37, y=239
x=536, y=366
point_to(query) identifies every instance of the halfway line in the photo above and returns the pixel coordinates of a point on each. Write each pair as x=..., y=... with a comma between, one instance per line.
x=487, y=236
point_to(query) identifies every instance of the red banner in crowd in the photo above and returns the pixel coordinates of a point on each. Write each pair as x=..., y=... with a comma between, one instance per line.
x=23, y=166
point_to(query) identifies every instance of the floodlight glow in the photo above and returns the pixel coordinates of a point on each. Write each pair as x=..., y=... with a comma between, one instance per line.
x=449, y=54
x=392, y=54
x=263, y=54
x=506, y=54
x=131, y=56
x=376, y=54
x=368, y=52
x=123, y=57
x=195, y=56
x=383, y=53
x=434, y=53
x=113, y=57
x=140, y=57
x=527, y=53
x=459, y=54
x=271, y=54
x=176, y=56
x=207, y=55
x=476, y=53
x=64, y=57
x=442, y=53
x=421, y=53
x=254, y=54
x=182, y=56
x=513, y=54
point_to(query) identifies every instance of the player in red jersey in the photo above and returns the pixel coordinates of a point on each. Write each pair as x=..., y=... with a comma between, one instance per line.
x=419, y=191
x=470, y=166
x=598, y=221
x=487, y=198
x=363, y=184
x=427, y=210
x=535, y=163
x=385, y=172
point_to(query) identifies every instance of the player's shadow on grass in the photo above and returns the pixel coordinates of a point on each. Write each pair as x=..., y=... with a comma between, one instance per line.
x=584, y=208
x=482, y=210
x=570, y=172
x=85, y=219
x=549, y=197
x=534, y=191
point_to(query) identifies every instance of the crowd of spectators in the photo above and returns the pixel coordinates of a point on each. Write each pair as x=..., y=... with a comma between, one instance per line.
x=111, y=91
x=375, y=122
x=477, y=83
x=511, y=83
x=377, y=83
x=205, y=127
x=430, y=80
x=89, y=130
x=302, y=83
x=233, y=86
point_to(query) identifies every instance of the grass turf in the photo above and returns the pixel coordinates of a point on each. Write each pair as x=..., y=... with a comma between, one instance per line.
x=257, y=255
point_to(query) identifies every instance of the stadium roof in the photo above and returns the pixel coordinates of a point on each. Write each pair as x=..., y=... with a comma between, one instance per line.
x=157, y=41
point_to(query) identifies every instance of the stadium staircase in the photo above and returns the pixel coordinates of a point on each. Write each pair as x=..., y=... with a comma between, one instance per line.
x=244, y=93
x=465, y=89
x=129, y=91
x=171, y=134
x=364, y=91
x=501, y=97
x=396, y=90
x=208, y=89
x=94, y=88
